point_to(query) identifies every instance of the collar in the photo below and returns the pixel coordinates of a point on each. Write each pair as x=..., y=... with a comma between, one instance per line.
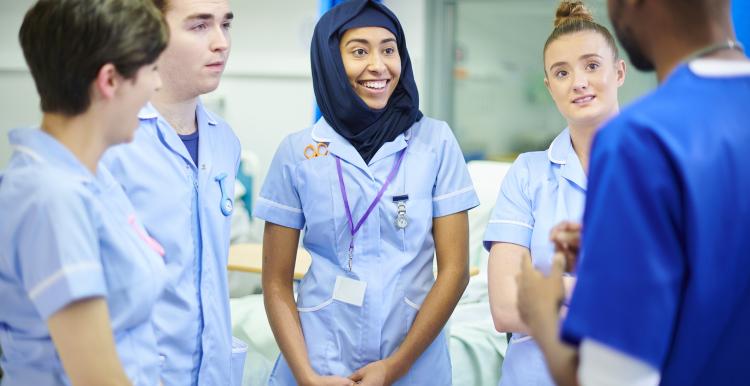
x=339, y=146
x=561, y=152
x=719, y=68
x=169, y=137
x=44, y=148
x=148, y=111
x=559, y=148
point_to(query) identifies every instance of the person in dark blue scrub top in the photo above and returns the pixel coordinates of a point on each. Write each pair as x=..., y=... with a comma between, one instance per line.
x=663, y=295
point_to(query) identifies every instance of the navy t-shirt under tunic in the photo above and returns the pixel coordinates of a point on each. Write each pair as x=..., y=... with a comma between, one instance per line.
x=191, y=143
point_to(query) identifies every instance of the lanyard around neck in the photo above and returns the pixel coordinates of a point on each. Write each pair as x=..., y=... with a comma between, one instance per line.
x=353, y=229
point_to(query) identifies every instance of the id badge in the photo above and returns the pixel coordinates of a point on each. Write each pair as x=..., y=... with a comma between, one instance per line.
x=349, y=291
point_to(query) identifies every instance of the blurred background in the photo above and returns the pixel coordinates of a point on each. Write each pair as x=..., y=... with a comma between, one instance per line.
x=478, y=66
x=477, y=63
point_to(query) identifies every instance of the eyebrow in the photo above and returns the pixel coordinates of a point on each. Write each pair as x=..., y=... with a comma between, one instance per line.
x=208, y=16
x=364, y=41
x=581, y=58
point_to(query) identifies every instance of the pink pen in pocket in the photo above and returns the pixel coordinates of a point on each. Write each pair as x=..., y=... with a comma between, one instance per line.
x=153, y=244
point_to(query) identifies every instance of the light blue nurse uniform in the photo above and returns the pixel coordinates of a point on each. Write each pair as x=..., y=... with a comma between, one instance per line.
x=396, y=264
x=541, y=189
x=187, y=208
x=68, y=235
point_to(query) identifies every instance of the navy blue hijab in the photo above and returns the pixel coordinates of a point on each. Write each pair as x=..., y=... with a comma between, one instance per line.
x=365, y=128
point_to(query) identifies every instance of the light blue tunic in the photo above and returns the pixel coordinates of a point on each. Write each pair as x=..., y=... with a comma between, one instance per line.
x=540, y=190
x=68, y=235
x=183, y=206
x=396, y=264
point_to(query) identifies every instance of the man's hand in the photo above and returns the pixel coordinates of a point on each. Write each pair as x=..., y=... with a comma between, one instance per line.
x=540, y=297
x=566, y=236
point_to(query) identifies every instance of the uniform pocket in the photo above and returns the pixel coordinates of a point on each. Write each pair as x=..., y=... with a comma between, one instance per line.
x=144, y=236
x=318, y=334
x=237, y=366
x=433, y=366
x=325, y=221
x=410, y=313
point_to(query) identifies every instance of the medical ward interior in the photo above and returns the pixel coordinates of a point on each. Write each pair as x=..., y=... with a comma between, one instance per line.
x=487, y=86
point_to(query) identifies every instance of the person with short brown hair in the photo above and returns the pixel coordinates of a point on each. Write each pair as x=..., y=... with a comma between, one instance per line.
x=79, y=275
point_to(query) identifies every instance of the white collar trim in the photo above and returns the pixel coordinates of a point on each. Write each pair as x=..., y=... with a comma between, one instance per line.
x=718, y=68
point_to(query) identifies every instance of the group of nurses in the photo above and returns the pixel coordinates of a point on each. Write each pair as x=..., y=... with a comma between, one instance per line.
x=583, y=72
x=384, y=191
x=79, y=275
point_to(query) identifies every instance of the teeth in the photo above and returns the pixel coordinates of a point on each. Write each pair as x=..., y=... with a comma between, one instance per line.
x=380, y=84
x=584, y=100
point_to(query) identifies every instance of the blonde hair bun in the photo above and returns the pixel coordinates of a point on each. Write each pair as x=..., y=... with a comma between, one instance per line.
x=572, y=10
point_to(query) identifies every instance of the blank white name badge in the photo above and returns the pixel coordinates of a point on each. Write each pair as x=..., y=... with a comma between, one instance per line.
x=349, y=291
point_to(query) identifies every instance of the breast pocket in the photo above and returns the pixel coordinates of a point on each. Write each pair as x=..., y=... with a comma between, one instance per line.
x=325, y=220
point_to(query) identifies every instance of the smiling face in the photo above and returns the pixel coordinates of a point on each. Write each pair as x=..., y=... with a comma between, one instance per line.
x=372, y=63
x=583, y=77
x=198, y=47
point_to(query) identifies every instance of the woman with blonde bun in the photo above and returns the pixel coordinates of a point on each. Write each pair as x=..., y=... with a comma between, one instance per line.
x=582, y=71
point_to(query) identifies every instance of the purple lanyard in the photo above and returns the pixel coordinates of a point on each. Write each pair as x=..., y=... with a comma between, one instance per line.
x=352, y=228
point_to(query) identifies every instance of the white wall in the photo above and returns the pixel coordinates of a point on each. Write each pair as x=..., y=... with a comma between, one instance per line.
x=266, y=92
x=19, y=104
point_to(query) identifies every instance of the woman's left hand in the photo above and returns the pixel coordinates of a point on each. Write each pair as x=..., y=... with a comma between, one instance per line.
x=377, y=373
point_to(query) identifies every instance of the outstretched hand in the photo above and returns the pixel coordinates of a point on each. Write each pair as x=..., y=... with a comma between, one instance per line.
x=540, y=297
x=566, y=236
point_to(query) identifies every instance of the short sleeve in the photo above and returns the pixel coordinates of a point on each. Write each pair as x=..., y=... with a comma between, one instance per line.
x=58, y=251
x=453, y=191
x=512, y=219
x=279, y=201
x=630, y=279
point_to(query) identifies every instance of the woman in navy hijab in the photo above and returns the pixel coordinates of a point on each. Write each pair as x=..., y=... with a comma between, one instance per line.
x=381, y=191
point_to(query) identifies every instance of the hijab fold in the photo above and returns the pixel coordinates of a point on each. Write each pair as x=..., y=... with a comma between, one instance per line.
x=365, y=128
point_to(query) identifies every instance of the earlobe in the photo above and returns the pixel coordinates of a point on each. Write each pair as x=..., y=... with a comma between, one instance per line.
x=621, y=71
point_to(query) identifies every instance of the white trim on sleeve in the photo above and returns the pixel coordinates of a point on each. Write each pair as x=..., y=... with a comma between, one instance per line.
x=453, y=194
x=57, y=276
x=512, y=223
x=280, y=206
